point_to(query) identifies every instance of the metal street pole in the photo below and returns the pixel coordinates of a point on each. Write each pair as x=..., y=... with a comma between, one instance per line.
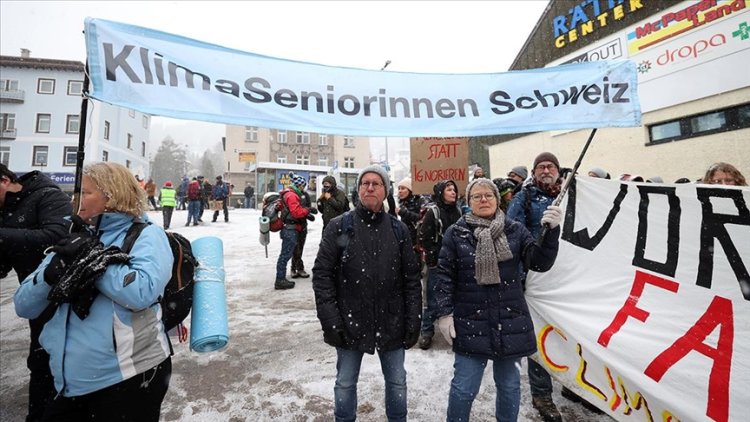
x=387, y=166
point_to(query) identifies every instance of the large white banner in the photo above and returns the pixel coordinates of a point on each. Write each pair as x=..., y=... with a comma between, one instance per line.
x=168, y=75
x=646, y=313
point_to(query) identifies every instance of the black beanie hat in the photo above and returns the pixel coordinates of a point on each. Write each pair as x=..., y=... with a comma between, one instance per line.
x=547, y=156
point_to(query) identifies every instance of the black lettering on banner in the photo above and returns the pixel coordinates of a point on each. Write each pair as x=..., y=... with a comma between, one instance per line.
x=265, y=97
x=669, y=267
x=581, y=238
x=112, y=62
x=713, y=227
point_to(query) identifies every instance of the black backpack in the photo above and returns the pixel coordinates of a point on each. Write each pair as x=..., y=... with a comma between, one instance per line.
x=178, y=294
x=273, y=208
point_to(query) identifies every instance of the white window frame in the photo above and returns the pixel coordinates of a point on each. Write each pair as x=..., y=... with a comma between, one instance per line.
x=7, y=121
x=349, y=162
x=131, y=113
x=145, y=121
x=323, y=139
x=303, y=160
x=303, y=138
x=75, y=87
x=106, y=130
x=72, y=123
x=130, y=141
x=105, y=155
x=348, y=141
x=39, y=152
x=41, y=89
x=70, y=156
x=251, y=133
x=4, y=155
x=281, y=158
x=281, y=135
x=9, y=85
x=323, y=160
x=41, y=118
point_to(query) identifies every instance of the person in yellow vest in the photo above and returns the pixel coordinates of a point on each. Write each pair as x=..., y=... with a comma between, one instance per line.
x=167, y=199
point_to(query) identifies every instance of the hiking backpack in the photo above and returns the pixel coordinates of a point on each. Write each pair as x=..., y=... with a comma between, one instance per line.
x=273, y=207
x=433, y=208
x=178, y=293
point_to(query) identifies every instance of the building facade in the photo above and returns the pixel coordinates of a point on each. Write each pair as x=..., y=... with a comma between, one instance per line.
x=40, y=107
x=692, y=86
x=264, y=157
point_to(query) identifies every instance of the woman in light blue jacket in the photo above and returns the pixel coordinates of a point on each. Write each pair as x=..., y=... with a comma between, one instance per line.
x=109, y=354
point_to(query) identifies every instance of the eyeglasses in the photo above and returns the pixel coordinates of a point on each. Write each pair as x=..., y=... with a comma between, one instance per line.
x=479, y=196
x=373, y=185
x=548, y=167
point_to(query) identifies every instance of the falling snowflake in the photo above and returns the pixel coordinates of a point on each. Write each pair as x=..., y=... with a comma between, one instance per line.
x=644, y=66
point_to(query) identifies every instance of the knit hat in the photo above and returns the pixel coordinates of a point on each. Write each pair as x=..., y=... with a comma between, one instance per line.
x=218, y=177
x=167, y=184
x=600, y=173
x=298, y=181
x=380, y=171
x=484, y=182
x=405, y=182
x=520, y=170
x=547, y=156
x=505, y=186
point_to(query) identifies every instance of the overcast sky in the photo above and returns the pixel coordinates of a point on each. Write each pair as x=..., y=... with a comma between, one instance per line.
x=416, y=36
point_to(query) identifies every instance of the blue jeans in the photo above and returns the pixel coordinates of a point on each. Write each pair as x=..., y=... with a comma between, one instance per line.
x=249, y=202
x=288, y=242
x=347, y=375
x=194, y=209
x=540, y=382
x=467, y=378
x=428, y=313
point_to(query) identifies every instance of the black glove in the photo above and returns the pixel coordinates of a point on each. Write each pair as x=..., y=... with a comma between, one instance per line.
x=335, y=337
x=66, y=251
x=310, y=217
x=313, y=210
x=410, y=339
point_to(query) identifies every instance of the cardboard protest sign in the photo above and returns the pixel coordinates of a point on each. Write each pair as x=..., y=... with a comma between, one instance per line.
x=436, y=159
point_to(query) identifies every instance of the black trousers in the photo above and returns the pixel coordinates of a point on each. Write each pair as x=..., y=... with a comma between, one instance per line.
x=297, y=264
x=166, y=212
x=41, y=383
x=137, y=399
x=224, y=207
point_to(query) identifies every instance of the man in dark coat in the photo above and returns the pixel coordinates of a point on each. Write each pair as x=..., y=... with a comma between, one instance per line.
x=33, y=213
x=332, y=202
x=368, y=295
x=249, y=196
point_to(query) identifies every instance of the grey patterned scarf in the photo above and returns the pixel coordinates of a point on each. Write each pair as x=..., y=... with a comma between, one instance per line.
x=492, y=247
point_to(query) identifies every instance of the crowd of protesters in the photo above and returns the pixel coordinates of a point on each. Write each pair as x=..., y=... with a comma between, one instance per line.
x=435, y=260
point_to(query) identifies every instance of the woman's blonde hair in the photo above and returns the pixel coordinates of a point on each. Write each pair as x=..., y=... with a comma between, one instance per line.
x=727, y=168
x=123, y=192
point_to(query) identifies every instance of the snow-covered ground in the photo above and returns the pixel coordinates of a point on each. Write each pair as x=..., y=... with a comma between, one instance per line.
x=276, y=366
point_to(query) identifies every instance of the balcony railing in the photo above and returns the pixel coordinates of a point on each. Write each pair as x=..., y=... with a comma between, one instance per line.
x=15, y=96
x=8, y=134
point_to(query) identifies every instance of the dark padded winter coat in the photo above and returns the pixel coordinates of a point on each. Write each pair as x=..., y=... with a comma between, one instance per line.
x=491, y=321
x=30, y=221
x=368, y=282
x=409, y=209
x=449, y=214
x=528, y=206
x=334, y=206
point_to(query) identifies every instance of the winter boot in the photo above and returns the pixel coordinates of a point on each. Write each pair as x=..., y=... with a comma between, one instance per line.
x=283, y=284
x=572, y=396
x=425, y=342
x=547, y=409
x=302, y=274
x=295, y=274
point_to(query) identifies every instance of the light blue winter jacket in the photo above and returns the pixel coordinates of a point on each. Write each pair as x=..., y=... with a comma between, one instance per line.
x=123, y=335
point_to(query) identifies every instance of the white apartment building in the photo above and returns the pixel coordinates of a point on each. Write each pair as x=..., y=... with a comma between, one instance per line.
x=40, y=107
x=264, y=157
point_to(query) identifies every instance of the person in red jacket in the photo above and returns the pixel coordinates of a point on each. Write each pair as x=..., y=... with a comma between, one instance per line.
x=294, y=215
x=195, y=200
